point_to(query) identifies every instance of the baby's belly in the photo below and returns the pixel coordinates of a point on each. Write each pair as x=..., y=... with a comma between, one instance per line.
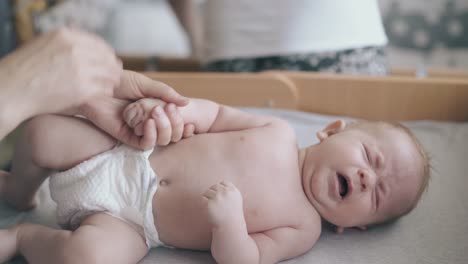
x=180, y=218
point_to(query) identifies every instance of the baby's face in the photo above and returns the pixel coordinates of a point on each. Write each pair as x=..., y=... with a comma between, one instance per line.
x=363, y=175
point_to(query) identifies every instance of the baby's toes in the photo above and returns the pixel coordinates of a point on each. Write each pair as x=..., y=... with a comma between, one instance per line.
x=134, y=114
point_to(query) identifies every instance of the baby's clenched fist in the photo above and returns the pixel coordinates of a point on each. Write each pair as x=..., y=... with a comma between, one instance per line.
x=223, y=203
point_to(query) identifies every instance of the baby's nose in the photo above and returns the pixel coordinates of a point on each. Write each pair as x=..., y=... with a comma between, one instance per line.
x=367, y=179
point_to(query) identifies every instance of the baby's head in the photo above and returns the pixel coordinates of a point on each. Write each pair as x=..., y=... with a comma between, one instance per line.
x=364, y=173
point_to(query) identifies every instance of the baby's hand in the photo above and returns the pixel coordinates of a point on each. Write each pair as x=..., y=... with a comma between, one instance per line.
x=224, y=204
x=170, y=125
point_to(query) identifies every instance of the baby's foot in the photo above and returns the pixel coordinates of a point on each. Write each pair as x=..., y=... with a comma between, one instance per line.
x=8, y=243
x=136, y=113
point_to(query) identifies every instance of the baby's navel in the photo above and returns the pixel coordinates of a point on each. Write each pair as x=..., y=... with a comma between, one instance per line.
x=163, y=182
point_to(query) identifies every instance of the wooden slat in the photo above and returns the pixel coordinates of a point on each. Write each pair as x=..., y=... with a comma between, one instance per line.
x=383, y=98
x=235, y=89
x=430, y=73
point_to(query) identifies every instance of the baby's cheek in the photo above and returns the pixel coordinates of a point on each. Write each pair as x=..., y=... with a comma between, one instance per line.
x=358, y=209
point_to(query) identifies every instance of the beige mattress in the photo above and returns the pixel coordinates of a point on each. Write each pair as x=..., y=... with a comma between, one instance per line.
x=435, y=232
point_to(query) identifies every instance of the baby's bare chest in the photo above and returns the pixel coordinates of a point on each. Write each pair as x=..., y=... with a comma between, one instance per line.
x=266, y=174
x=245, y=159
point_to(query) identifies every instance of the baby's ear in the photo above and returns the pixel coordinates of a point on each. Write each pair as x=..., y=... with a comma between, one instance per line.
x=331, y=129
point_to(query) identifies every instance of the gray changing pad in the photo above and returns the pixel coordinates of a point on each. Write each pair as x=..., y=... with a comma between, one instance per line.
x=435, y=232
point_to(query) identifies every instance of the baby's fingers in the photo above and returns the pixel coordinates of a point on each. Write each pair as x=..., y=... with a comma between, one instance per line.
x=210, y=194
x=177, y=123
x=148, y=140
x=163, y=126
x=189, y=130
x=138, y=130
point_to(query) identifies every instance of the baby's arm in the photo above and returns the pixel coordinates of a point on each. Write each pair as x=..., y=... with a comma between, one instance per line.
x=231, y=242
x=207, y=116
x=211, y=117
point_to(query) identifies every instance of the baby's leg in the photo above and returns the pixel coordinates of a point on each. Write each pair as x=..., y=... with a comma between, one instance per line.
x=49, y=143
x=100, y=239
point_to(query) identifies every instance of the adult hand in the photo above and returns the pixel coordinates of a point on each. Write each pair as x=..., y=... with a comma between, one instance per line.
x=107, y=112
x=56, y=72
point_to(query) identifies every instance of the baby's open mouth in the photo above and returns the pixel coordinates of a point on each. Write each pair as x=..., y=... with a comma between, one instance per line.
x=343, y=183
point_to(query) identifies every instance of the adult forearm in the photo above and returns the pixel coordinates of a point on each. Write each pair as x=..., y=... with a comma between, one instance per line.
x=232, y=244
x=6, y=124
x=12, y=112
x=13, y=103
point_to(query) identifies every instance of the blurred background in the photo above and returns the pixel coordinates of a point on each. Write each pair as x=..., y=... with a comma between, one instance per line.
x=422, y=34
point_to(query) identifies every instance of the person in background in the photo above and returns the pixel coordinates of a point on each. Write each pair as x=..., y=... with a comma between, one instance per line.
x=187, y=13
x=321, y=35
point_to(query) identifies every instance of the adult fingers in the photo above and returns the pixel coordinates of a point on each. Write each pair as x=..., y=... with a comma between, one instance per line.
x=135, y=86
x=152, y=88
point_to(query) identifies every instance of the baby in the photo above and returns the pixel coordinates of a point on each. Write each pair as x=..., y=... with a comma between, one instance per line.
x=239, y=187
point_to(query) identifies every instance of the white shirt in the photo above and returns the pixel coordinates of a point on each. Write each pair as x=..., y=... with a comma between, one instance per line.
x=253, y=28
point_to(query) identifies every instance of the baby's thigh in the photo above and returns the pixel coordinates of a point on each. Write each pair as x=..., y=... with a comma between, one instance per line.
x=61, y=142
x=102, y=238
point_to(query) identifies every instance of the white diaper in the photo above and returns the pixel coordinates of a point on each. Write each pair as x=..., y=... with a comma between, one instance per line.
x=119, y=182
